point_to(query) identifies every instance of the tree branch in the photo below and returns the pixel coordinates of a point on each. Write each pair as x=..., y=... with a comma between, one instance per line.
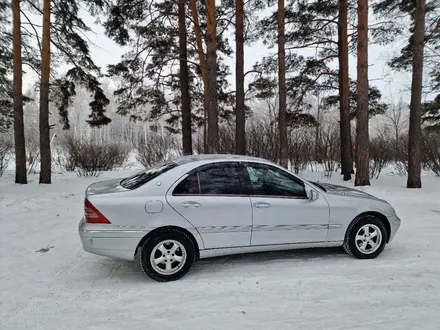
x=315, y=43
x=33, y=27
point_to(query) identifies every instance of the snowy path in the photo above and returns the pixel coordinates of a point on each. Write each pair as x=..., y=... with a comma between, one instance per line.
x=66, y=288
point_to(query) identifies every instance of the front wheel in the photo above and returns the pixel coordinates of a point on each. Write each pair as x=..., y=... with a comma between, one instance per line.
x=366, y=237
x=167, y=255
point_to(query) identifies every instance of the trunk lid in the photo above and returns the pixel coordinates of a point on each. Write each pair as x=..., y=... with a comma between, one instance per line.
x=105, y=187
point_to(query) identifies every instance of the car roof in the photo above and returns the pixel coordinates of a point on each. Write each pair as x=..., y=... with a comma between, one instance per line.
x=218, y=157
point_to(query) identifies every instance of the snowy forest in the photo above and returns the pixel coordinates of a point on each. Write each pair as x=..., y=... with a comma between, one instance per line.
x=181, y=86
x=344, y=94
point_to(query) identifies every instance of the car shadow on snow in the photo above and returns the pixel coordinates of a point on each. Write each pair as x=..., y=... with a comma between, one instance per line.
x=262, y=258
x=310, y=258
x=129, y=272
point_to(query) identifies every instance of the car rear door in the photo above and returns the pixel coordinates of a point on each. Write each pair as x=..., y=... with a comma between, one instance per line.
x=213, y=199
x=282, y=212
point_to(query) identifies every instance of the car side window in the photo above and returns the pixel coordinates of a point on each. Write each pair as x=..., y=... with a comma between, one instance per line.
x=188, y=186
x=271, y=181
x=215, y=180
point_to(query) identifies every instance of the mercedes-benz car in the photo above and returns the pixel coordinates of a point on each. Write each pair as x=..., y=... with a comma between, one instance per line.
x=170, y=215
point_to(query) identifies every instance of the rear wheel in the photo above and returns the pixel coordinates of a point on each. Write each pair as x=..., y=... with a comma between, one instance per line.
x=167, y=255
x=366, y=237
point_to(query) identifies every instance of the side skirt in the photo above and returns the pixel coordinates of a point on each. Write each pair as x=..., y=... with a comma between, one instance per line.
x=209, y=253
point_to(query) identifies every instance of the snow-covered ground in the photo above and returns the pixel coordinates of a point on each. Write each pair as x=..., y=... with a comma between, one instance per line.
x=48, y=282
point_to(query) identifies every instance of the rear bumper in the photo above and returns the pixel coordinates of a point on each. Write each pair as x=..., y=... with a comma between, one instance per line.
x=108, y=240
x=395, y=223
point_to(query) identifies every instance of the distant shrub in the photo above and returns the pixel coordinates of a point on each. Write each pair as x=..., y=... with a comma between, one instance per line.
x=329, y=150
x=381, y=154
x=431, y=152
x=61, y=159
x=226, y=136
x=6, y=153
x=226, y=140
x=197, y=143
x=156, y=148
x=262, y=139
x=90, y=158
x=300, y=149
x=32, y=151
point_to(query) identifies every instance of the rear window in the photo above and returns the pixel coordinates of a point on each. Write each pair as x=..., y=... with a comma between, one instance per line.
x=141, y=178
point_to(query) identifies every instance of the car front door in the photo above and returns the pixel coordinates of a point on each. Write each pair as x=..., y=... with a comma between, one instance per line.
x=282, y=212
x=213, y=199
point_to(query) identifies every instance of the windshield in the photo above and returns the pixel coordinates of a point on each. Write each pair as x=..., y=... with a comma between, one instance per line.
x=141, y=178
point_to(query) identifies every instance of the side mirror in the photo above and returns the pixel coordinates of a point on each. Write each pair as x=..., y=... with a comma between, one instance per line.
x=313, y=195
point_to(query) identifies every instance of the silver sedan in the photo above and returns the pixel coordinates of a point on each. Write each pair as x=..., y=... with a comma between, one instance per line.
x=196, y=207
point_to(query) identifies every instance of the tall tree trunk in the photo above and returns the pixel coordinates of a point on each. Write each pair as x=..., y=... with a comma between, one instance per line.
x=362, y=136
x=20, y=149
x=317, y=140
x=240, y=135
x=346, y=160
x=211, y=64
x=203, y=69
x=282, y=86
x=397, y=142
x=414, y=153
x=45, y=167
x=184, y=88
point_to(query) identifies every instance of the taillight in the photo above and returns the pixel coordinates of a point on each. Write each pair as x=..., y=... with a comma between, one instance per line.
x=92, y=215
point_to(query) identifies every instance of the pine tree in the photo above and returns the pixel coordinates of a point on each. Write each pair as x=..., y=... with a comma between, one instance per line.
x=68, y=44
x=184, y=80
x=6, y=94
x=239, y=79
x=45, y=154
x=211, y=66
x=424, y=30
x=362, y=136
x=431, y=110
x=12, y=61
x=322, y=25
x=375, y=104
x=282, y=86
x=415, y=129
x=64, y=34
x=344, y=90
x=20, y=153
x=202, y=63
x=149, y=73
x=431, y=114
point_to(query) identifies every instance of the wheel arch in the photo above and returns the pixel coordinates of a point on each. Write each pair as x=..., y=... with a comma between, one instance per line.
x=378, y=215
x=187, y=232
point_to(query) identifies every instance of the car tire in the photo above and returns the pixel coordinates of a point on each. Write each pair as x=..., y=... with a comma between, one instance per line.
x=366, y=237
x=167, y=255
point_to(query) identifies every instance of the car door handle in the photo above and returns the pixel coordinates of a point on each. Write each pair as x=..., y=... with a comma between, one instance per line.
x=191, y=204
x=261, y=205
